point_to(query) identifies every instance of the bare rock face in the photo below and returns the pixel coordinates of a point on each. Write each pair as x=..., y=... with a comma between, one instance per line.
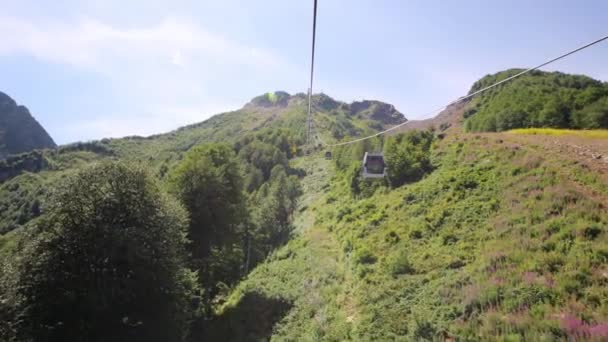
x=19, y=131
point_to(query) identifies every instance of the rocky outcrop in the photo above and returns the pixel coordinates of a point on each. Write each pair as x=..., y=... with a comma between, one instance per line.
x=19, y=131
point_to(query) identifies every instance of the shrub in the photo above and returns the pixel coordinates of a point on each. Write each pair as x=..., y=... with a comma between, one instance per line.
x=416, y=234
x=399, y=264
x=551, y=262
x=364, y=256
x=424, y=330
x=592, y=232
x=392, y=237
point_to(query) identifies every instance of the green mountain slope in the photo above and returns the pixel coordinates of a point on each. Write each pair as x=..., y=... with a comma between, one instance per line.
x=538, y=99
x=471, y=237
x=500, y=241
x=19, y=131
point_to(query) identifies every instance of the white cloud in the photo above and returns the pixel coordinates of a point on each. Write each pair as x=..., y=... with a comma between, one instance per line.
x=90, y=43
x=177, y=59
x=162, y=75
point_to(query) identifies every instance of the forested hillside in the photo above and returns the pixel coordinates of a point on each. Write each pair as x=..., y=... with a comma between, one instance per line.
x=19, y=131
x=173, y=220
x=274, y=118
x=538, y=99
x=234, y=229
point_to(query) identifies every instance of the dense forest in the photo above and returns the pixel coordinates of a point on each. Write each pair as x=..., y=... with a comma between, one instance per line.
x=146, y=258
x=538, y=99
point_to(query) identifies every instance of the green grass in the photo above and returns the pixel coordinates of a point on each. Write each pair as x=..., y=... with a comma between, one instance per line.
x=596, y=133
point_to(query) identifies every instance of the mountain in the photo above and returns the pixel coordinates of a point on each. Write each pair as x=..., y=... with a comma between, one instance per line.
x=19, y=130
x=259, y=142
x=34, y=173
x=472, y=236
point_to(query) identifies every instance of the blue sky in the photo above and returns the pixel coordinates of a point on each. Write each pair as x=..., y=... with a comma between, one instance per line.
x=94, y=69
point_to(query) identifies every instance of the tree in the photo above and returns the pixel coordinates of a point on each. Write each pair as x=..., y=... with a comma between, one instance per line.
x=106, y=263
x=253, y=179
x=408, y=156
x=554, y=114
x=209, y=184
x=592, y=116
x=274, y=203
x=263, y=156
x=538, y=99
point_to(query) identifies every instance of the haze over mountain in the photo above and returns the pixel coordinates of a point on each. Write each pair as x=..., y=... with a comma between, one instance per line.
x=19, y=130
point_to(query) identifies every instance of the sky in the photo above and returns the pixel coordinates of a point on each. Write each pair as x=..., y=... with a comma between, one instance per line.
x=93, y=69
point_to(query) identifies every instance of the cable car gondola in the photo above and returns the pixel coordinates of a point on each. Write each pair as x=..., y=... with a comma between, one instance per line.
x=328, y=155
x=373, y=165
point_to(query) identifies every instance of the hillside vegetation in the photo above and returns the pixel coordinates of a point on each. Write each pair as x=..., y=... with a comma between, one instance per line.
x=26, y=179
x=498, y=242
x=96, y=248
x=19, y=131
x=538, y=99
x=234, y=229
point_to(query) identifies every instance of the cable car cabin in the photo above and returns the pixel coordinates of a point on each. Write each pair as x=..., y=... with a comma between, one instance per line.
x=373, y=165
x=328, y=155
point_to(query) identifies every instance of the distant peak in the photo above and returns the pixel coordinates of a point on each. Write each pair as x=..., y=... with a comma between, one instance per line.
x=325, y=101
x=270, y=99
x=377, y=110
x=6, y=100
x=366, y=109
x=19, y=130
